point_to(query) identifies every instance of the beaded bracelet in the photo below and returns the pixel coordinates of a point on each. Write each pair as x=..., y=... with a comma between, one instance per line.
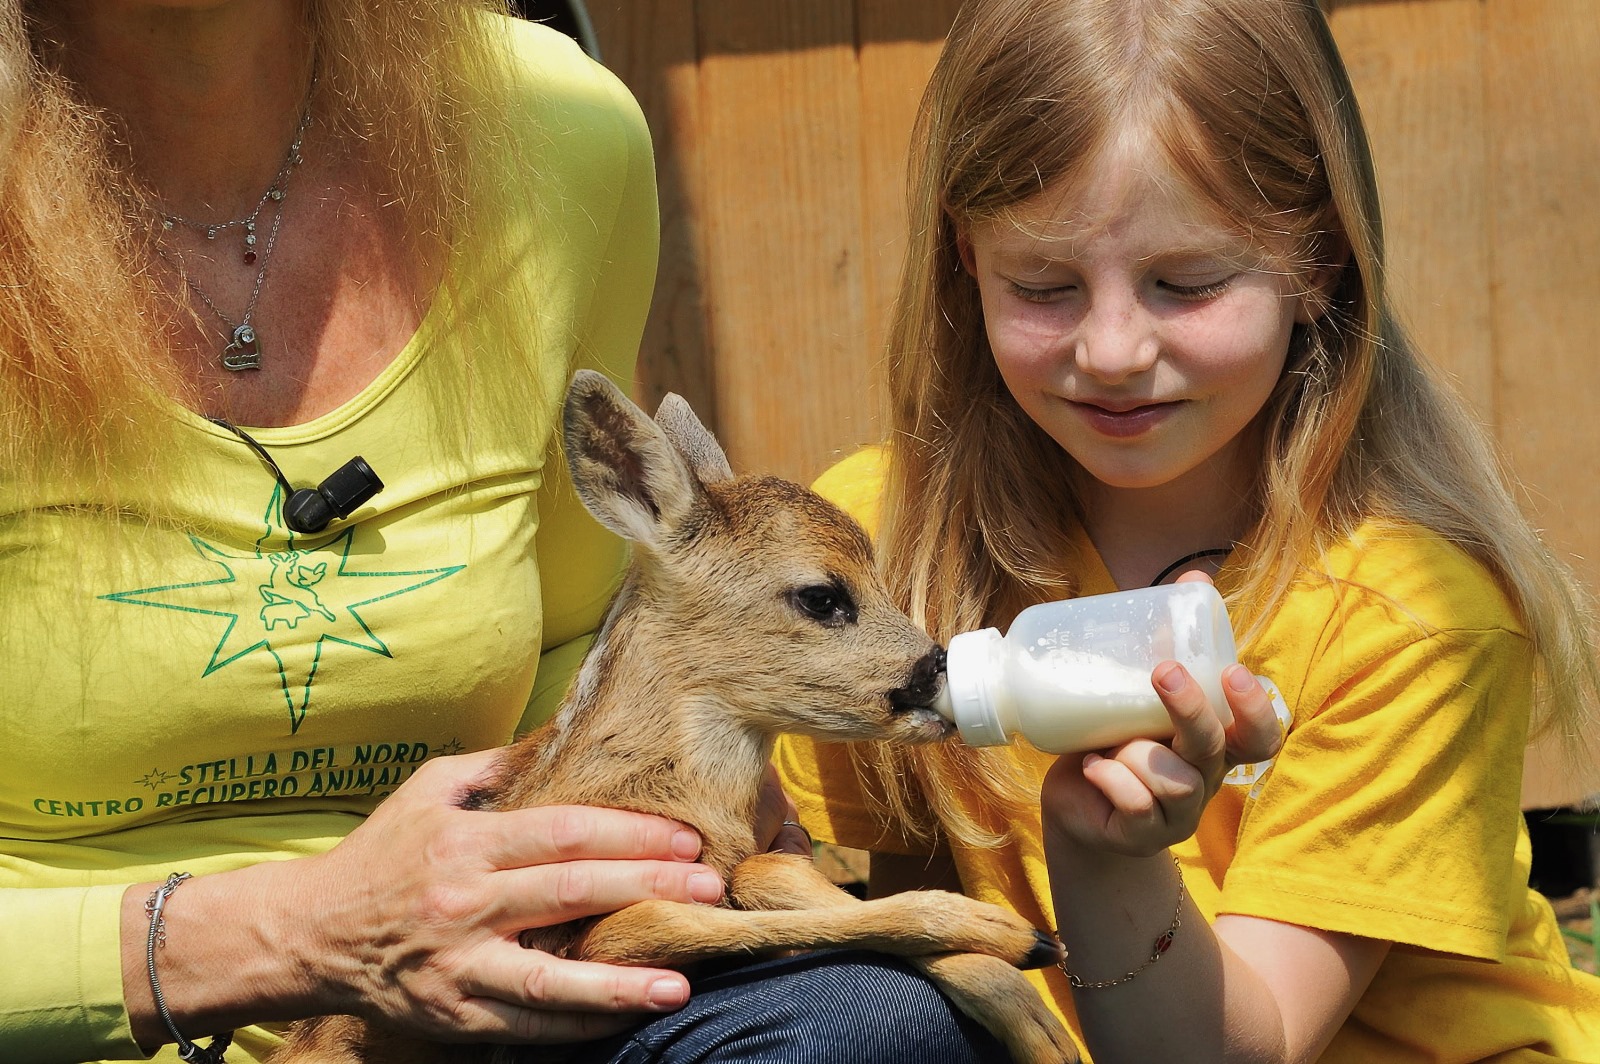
x=189, y=1051
x=1158, y=948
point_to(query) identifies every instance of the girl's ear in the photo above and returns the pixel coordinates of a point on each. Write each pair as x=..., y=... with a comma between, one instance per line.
x=1322, y=280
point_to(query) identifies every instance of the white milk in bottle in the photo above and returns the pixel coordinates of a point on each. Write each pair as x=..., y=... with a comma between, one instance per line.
x=1075, y=675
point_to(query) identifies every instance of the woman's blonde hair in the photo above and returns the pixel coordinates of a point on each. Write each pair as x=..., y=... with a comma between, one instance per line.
x=87, y=374
x=1250, y=103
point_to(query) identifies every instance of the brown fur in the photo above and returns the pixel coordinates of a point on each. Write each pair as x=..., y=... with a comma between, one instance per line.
x=753, y=607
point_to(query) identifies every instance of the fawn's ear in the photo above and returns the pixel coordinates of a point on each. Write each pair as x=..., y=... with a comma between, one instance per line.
x=693, y=440
x=627, y=472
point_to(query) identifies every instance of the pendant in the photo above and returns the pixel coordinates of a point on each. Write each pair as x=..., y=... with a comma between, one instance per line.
x=245, y=351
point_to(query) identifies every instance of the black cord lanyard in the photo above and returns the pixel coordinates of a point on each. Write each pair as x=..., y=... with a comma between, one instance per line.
x=250, y=440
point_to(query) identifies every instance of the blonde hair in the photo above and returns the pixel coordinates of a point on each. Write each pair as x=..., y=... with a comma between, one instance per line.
x=1251, y=105
x=87, y=373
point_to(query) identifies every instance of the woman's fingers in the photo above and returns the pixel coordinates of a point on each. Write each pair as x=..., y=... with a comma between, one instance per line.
x=555, y=863
x=551, y=834
x=541, y=835
x=792, y=838
x=431, y=941
x=527, y=995
x=539, y=896
x=775, y=819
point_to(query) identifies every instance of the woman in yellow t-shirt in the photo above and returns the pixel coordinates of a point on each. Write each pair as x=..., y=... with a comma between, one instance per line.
x=241, y=243
x=1144, y=321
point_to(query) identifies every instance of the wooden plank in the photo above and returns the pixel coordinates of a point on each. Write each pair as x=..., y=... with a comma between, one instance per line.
x=900, y=42
x=651, y=46
x=780, y=137
x=1544, y=78
x=1417, y=69
x=1543, y=66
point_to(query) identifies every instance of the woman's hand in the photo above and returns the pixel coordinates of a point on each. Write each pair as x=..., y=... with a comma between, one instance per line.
x=1141, y=797
x=776, y=815
x=419, y=910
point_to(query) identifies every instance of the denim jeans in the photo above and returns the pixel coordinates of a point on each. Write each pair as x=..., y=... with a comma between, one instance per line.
x=836, y=1006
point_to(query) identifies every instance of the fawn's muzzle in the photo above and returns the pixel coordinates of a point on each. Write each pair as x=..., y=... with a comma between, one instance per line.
x=927, y=676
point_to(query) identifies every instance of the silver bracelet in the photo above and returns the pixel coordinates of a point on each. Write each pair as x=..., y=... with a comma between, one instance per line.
x=189, y=1051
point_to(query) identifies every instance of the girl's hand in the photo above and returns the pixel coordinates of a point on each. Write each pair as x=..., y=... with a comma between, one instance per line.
x=417, y=912
x=1141, y=797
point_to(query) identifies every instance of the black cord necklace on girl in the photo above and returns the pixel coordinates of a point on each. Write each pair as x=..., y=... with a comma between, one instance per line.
x=1211, y=552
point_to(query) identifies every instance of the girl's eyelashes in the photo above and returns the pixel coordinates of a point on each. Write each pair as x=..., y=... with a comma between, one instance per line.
x=1038, y=295
x=1191, y=293
x=1197, y=293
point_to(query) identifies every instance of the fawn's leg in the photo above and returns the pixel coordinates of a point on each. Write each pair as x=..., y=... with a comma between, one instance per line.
x=985, y=988
x=671, y=934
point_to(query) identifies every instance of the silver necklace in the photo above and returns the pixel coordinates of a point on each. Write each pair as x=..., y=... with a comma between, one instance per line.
x=274, y=194
x=243, y=349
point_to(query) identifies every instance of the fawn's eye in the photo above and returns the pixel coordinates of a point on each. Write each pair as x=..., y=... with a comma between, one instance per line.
x=828, y=603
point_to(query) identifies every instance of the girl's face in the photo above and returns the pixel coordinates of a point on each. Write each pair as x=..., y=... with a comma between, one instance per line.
x=1138, y=330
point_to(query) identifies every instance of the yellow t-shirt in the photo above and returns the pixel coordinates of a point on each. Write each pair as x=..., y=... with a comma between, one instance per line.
x=219, y=690
x=1391, y=812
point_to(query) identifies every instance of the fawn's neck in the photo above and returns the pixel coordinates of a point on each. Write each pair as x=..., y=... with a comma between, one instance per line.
x=641, y=730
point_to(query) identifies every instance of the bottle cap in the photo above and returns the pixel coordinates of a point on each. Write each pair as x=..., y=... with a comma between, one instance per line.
x=966, y=699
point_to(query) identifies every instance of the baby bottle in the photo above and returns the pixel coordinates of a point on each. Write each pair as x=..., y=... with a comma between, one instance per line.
x=1075, y=675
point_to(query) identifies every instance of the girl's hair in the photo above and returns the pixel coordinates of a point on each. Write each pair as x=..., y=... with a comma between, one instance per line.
x=1250, y=103
x=87, y=376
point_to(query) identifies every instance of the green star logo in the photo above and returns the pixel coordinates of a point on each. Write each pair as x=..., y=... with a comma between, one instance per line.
x=290, y=604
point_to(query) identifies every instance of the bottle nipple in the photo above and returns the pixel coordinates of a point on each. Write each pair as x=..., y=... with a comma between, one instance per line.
x=968, y=699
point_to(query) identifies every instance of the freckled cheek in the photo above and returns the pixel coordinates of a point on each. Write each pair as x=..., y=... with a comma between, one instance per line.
x=1028, y=347
x=1230, y=354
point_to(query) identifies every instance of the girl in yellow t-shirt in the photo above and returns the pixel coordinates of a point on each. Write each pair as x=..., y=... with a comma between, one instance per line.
x=1144, y=319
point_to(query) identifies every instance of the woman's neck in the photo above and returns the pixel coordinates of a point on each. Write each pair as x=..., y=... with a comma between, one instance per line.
x=207, y=96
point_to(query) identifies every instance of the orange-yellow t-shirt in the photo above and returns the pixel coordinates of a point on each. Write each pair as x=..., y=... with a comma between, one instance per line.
x=1392, y=811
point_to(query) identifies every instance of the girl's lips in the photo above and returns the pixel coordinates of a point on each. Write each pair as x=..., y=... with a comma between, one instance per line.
x=1124, y=423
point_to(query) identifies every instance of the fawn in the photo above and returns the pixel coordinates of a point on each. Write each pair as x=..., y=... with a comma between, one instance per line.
x=753, y=606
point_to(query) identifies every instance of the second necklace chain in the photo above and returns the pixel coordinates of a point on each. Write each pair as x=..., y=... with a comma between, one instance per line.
x=243, y=345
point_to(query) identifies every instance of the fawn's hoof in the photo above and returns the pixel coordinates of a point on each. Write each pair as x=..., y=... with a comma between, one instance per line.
x=1047, y=950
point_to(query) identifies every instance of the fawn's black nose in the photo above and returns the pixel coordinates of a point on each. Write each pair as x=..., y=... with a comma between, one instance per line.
x=923, y=684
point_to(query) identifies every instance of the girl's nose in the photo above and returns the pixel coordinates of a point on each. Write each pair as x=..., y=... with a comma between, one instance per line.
x=1116, y=341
